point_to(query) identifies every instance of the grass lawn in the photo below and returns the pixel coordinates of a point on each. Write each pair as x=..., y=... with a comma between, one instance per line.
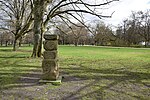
x=102, y=73
x=14, y=64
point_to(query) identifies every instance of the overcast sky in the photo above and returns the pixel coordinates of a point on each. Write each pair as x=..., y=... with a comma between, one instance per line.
x=123, y=9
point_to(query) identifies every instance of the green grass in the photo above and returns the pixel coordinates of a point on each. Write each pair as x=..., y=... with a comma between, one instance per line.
x=15, y=64
x=106, y=59
x=112, y=73
x=116, y=72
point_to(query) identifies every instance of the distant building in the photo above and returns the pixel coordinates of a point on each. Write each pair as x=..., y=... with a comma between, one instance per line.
x=144, y=43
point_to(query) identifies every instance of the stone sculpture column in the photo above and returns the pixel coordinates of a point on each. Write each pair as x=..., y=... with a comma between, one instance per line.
x=50, y=61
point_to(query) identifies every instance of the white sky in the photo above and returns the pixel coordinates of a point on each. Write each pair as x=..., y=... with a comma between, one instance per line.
x=123, y=10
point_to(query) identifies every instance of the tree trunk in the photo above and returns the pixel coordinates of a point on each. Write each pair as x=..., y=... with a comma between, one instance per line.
x=20, y=41
x=39, y=9
x=15, y=44
x=6, y=43
x=1, y=43
x=36, y=44
x=76, y=41
x=39, y=53
x=95, y=43
x=63, y=40
x=29, y=44
x=38, y=21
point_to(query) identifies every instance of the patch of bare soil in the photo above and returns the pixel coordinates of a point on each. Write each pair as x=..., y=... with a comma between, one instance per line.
x=29, y=88
x=72, y=88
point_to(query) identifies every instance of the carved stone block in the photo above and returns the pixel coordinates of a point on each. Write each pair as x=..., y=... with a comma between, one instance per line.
x=51, y=76
x=50, y=45
x=50, y=69
x=50, y=54
x=50, y=37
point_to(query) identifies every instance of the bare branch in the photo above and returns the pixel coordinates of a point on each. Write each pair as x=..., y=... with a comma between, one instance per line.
x=79, y=21
x=61, y=30
x=94, y=5
x=68, y=26
x=84, y=11
x=68, y=20
x=8, y=6
x=77, y=12
x=52, y=11
x=7, y=29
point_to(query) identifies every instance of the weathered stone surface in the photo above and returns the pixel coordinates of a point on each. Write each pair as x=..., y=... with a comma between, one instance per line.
x=50, y=45
x=50, y=54
x=50, y=62
x=50, y=69
x=50, y=37
x=53, y=75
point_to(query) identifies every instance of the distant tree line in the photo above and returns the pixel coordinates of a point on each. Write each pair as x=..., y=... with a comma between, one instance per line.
x=7, y=39
x=99, y=34
x=133, y=31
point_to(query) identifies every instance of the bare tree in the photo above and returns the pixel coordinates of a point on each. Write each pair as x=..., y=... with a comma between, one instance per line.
x=77, y=33
x=144, y=25
x=61, y=31
x=17, y=17
x=28, y=38
x=102, y=34
x=59, y=8
x=135, y=29
x=6, y=38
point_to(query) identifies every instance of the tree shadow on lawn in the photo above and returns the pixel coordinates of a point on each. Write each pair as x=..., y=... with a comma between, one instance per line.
x=13, y=74
x=22, y=79
x=6, y=50
x=18, y=79
x=110, y=73
x=14, y=56
x=117, y=76
x=29, y=78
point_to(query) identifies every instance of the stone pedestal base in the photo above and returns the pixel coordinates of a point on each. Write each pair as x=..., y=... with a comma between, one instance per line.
x=55, y=82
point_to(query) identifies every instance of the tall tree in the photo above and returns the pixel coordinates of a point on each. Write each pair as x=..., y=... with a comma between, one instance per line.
x=102, y=34
x=77, y=33
x=17, y=17
x=135, y=29
x=6, y=38
x=59, y=8
x=144, y=25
